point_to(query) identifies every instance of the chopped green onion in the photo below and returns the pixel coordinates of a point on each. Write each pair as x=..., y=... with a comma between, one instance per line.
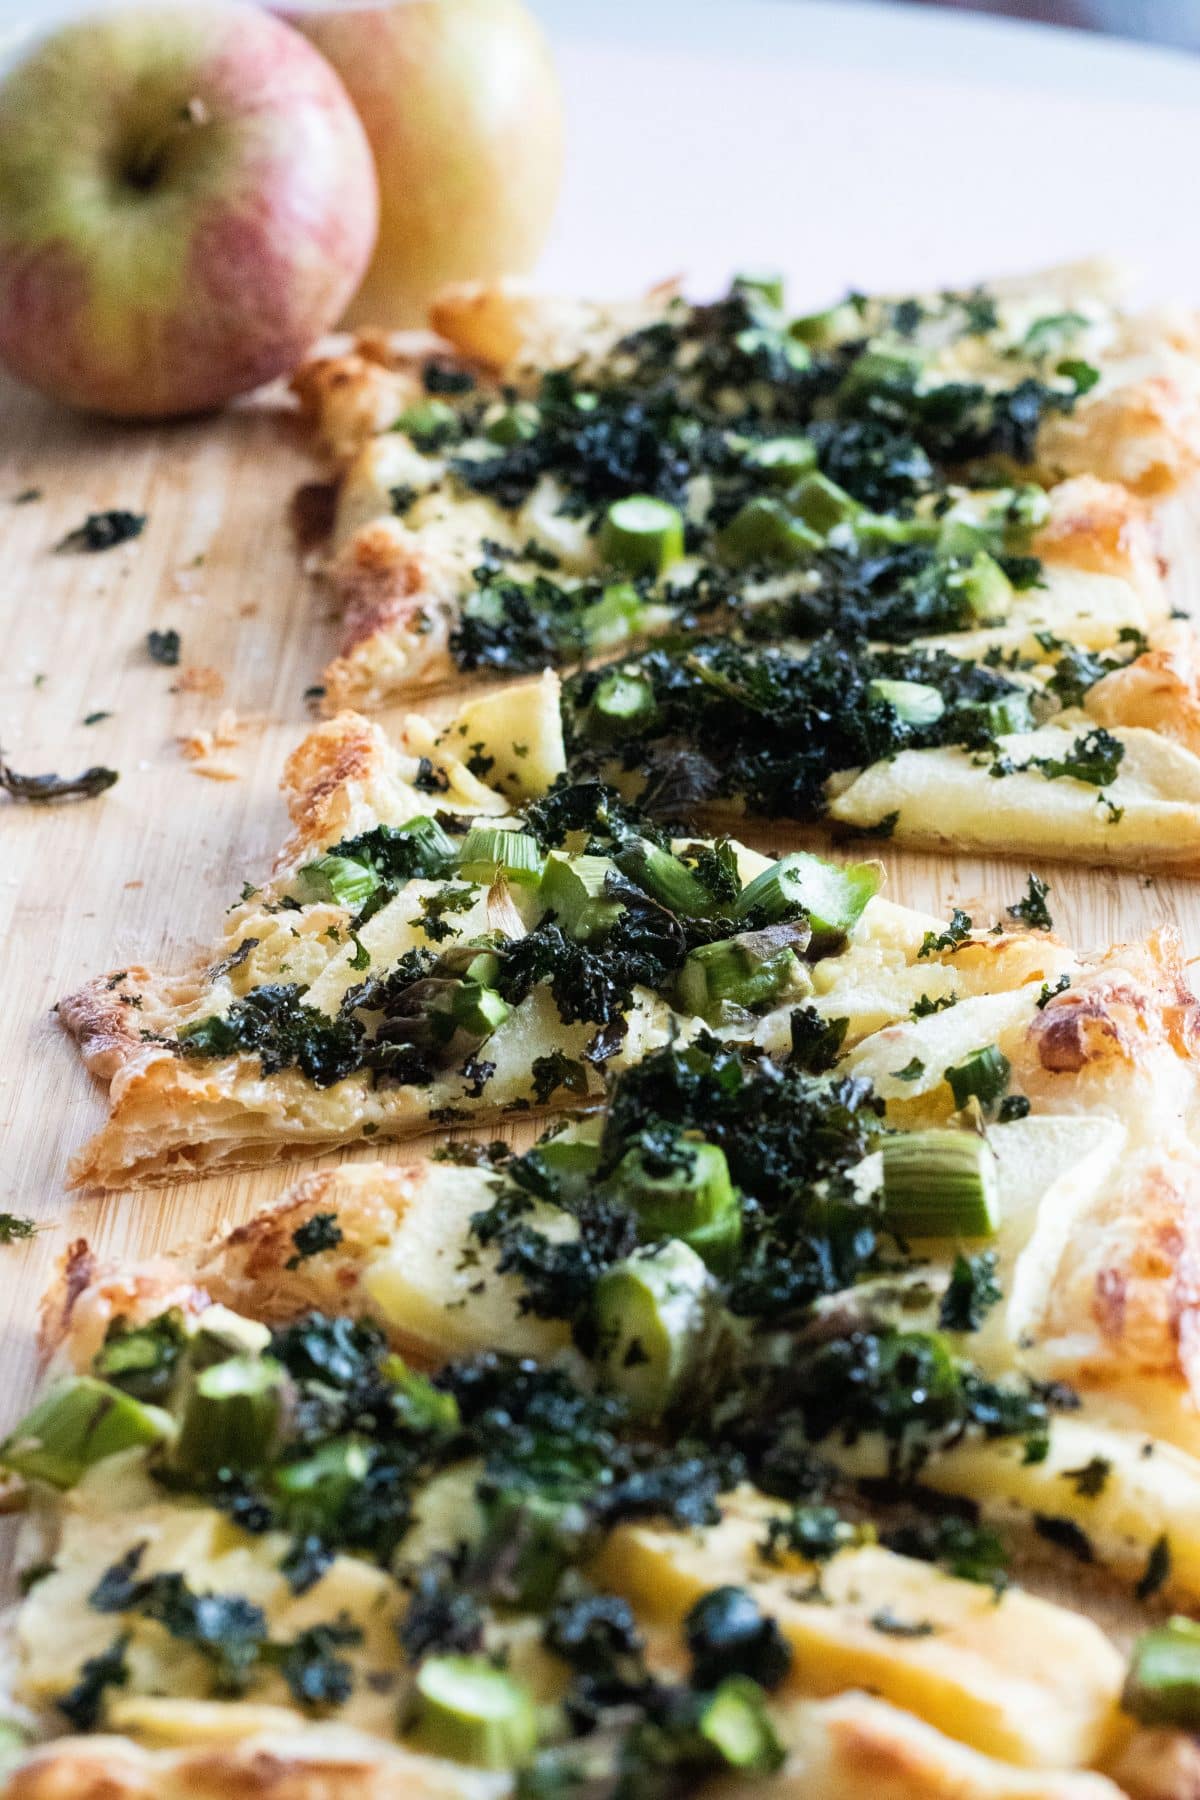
x=783, y=460
x=575, y=890
x=617, y=615
x=888, y=528
x=428, y=422
x=983, y=1077
x=914, y=702
x=822, y=504
x=1163, y=1683
x=833, y=896
x=416, y=1403
x=469, y=1007
x=435, y=848
x=654, y=1315
x=314, y=1490
x=737, y=1724
x=829, y=327
x=764, y=531
x=516, y=424
x=489, y=853
x=623, y=702
x=231, y=1416
x=467, y=1709
x=664, y=876
x=983, y=584
x=1024, y=509
x=758, y=338
x=78, y=1423
x=694, y=1201
x=1010, y=713
x=744, y=971
x=762, y=285
x=642, y=534
x=566, y=1166
x=940, y=1183
x=876, y=368
x=339, y=878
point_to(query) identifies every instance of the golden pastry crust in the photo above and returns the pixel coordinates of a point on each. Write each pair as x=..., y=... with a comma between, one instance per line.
x=300, y=1764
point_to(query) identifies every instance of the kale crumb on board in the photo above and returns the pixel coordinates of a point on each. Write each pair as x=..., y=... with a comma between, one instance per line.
x=103, y=531
x=47, y=790
x=164, y=647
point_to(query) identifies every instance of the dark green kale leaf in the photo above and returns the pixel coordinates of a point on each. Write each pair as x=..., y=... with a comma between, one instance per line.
x=15, y=1228
x=318, y=1234
x=273, y=1023
x=83, y=1704
x=972, y=1292
x=1094, y=758
x=1032, y=910
x=104, y=530
x=956, y=934
x=727, y=1633
x=46, y=790
x=318, y=1678
x=969, y=1551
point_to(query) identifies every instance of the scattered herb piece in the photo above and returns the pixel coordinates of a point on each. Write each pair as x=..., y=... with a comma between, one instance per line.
x=45, y=790
x=164, y=647
x=972, y=1292
x=1157, y=1571
x=1064, y=1534
x=956, y=933
x=15, y=1228
x=318, y=1234
x=1090, y=1479
x=104, y=531
x=1032, y=910
x=95, y=718
x=912, y=1071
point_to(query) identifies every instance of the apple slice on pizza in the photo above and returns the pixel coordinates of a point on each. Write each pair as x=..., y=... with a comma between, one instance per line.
x=900, y=469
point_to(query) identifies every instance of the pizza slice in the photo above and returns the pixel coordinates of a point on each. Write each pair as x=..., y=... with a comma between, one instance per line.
x=422, y=955
x=598, y=476
x=513, y=1473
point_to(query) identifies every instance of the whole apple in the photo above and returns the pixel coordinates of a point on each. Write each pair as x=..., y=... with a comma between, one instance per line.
x=187, y=200
x=462, y=106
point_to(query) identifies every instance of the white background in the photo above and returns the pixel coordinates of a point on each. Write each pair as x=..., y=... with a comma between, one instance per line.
x=853, y=144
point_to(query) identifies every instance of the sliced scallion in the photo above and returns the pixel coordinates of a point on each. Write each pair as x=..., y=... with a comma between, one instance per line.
x=762, y=285
x=765, y=531
x=641, y=534
x=782, y=460
x=654, y=1314
x=736, y=1723
x=984, y=586
x=428, y=423
x=617, y=616
x=983, y=1076
x=489, y=853
x=314, y=1490
x=341, y=879
x=913, y=702
x=622, y=703
x=231, y=1416
x=515, y=424
x=664, y=876
x=1163, y=1683
x=940, y=1183
x=467, y=1709
x=828, y=327
x=78, y=1423
x=693, y=1200
x=748, y=970
x=575, y=890
x=822, y=504
x=831, y=895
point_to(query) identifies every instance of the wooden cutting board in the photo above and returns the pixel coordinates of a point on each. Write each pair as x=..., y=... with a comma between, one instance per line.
x=144, y=871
